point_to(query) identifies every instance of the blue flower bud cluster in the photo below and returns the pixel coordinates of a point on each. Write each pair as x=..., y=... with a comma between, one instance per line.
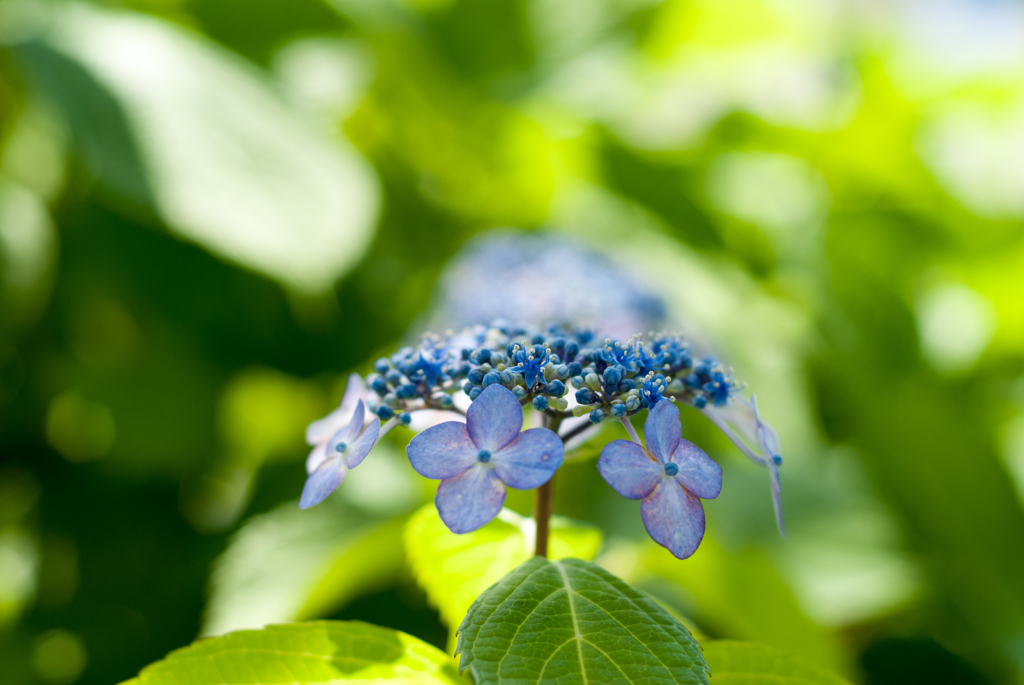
x=609, y=378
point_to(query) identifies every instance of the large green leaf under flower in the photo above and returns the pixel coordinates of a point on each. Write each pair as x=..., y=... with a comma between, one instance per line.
x=571, y=621
x=306, y=653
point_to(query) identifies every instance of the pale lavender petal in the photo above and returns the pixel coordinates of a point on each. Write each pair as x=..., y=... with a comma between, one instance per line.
x=698, y=472
x=364, y=442
x=316, y=457
x=471, y=499
x=662, y=430
x=355, y=426
x=322, y=429
x=355, y=390
x=766, y=435
x=442, y=451
x=773, y=472
x=323, y=482
x=530, y=460
x=674, y=517
x=495, y=418
x=626, y=467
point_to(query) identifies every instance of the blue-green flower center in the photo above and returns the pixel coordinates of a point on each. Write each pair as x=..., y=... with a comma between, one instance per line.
x=484, y=456
x=341, y=447
x=671, y=469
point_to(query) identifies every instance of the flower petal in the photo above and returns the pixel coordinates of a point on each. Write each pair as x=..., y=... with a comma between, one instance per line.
x=355, y=426
x=530, y=459
x=626, y=467
x=322, y=429
x=495, y=418
x=323, y=482
x=471, y=499
x=364, y=442
x=662, y=431
x=698, y=472
x=442, y=451
x=316, y=457
x=674, y=517
x=773, y=473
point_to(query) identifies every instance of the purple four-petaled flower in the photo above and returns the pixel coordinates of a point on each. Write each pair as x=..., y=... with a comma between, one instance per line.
x=477, y=459
x=671, y=476
x=331, y=459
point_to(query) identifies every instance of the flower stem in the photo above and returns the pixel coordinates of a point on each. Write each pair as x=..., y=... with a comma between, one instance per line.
x=545, y=496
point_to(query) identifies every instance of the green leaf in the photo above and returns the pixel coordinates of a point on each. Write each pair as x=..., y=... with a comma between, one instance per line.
x=172, y=122
x=748, y=663
x=455, y=569
x=304, y=653
x=290, y=564
x=571, y=621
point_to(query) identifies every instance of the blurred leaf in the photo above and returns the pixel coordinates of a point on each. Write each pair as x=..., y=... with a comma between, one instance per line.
x=554, y=621
x=734, y=594
x=747, y=663
x=455, y=569
x=307, y=653
x=170, y=120
x=289, y=564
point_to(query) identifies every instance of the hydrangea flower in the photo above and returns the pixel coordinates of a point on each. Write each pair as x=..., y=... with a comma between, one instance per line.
x=345, y=449
x=671, y=476
x=477, y=459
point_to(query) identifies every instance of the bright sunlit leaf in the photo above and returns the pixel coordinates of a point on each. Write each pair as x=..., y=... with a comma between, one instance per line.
x=306, y=653
x=167, y=119
x=455, y=569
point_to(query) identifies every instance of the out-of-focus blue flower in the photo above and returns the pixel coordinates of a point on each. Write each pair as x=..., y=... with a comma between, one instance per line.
x=344, y=450
x=477, y=459
x=542, y=277
x=671, y=476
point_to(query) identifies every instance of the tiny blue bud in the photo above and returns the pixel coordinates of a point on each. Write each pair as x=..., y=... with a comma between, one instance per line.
x=484, y=456
x=467, y=386
x=585, y=396
x=519, y=391
x=597, y=416
x=341, y=447
x=491, y=378
x=407, y=391
x=394, y=377
x=577, y=382
x=571, y=350
x=445, y=401
x=391, y=399
x=537, y=340
x=671, y=469
x=405, y=418
x=555, y=388
x=700, y=401
x=475, y=392
x=379, y=385
x=777, y=458
x=562, y=371
x=498, y=358
x=385, y=412
x=483, y=356
x=382, y=365
x=540, y=403
x=618, y=409
x=575, y=369
x=507, y=378
x=626, y=385
x=612, y=376
x=476, y=376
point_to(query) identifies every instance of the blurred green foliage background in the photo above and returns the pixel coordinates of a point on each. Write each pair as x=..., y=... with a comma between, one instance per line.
x=212, y=210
